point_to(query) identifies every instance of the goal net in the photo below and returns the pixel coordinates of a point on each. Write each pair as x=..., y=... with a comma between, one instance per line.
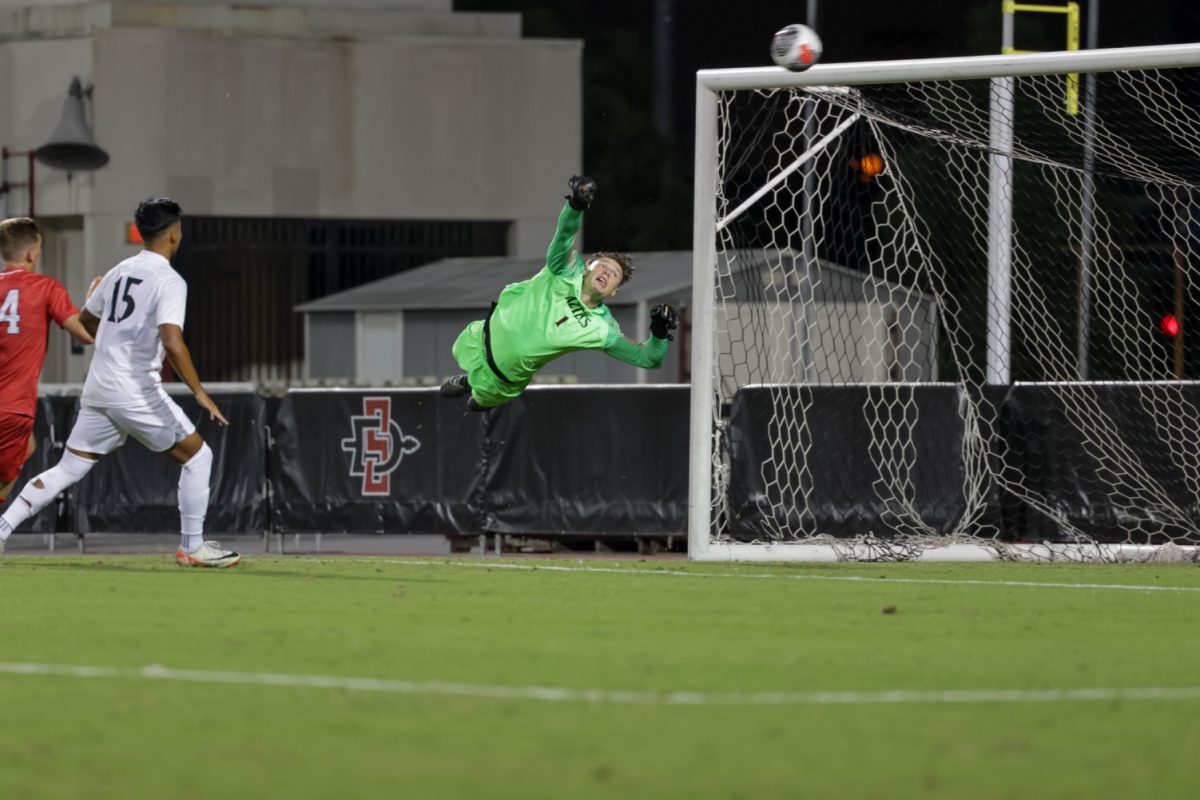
x=927, y=308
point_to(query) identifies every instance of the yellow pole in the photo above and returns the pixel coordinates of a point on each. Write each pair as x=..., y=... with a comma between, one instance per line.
x=1073, y=44
x=1071, y=10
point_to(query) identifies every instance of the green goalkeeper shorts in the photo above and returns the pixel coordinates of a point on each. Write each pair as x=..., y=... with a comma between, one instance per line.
x=486, y=387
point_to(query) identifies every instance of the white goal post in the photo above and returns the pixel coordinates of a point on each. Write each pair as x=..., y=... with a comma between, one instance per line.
x=923, y=309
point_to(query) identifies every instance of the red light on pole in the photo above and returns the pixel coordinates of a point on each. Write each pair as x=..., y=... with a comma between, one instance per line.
x=1169, y=325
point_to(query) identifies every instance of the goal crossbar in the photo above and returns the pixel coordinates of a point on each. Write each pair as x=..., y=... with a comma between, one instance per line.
x=962, y=68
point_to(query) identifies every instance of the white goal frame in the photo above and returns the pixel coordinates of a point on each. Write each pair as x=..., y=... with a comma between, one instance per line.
x=709, y=84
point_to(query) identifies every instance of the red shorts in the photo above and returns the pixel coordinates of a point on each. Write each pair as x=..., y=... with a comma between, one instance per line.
x=14, y=445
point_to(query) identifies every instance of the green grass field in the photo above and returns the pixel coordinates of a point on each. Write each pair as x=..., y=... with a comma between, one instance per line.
x=470, y=655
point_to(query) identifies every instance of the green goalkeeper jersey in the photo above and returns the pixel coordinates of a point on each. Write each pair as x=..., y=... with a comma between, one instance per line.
x=538, y=320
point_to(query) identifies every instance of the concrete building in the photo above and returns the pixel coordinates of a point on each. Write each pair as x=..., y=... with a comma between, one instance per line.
x=365, y=121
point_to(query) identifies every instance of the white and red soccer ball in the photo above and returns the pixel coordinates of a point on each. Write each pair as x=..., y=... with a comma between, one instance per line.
x=796, y=47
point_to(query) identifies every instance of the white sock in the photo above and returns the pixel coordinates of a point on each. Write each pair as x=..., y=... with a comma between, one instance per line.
x=31, y=500
x=193, y=498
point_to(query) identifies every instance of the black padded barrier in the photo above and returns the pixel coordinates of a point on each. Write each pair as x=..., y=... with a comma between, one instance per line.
x=133, y=490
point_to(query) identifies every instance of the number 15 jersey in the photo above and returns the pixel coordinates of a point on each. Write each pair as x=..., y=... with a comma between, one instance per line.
x=133, y=299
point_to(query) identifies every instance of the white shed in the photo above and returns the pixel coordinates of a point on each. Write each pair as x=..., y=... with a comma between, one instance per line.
x=400, y=329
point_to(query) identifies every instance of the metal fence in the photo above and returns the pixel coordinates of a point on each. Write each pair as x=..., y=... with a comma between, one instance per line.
x=246, y=274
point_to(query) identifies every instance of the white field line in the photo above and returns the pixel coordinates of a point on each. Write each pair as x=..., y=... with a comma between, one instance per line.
x=155, y=672
x=764, y=575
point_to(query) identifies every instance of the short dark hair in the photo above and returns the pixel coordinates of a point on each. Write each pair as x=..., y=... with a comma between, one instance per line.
x=624, y=261
x=155, y=215
x=17, y=235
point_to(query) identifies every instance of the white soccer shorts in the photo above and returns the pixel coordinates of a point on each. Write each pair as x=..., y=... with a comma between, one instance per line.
x=160, y=424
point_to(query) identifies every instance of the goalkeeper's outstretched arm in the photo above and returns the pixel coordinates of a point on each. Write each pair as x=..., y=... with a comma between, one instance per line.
x=648, y=354
x=558, y=256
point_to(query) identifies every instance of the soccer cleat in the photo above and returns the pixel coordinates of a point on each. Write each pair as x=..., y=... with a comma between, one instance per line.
x=210, y=554
x=456, y=386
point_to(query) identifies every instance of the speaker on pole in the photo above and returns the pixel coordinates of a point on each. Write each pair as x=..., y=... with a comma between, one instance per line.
x=72, y=147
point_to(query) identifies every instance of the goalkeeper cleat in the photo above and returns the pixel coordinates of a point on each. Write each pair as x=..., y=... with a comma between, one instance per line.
x=456, y=386
x=210, y=554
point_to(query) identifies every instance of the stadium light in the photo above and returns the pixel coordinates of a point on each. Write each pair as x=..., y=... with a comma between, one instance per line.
x=72, y=147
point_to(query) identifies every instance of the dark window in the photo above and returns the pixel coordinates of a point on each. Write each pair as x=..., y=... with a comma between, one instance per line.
x=245, y=275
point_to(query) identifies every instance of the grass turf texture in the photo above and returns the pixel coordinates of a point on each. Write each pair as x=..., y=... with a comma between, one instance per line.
x=462, y=622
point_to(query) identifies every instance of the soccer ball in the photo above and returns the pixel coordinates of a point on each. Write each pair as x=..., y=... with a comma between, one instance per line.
x=796, y=47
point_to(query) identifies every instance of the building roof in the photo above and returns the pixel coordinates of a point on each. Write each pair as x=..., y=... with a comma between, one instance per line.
x=467, y=283
x=471, y=283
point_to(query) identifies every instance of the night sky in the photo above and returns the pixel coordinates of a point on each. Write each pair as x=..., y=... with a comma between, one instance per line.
x=645, y=176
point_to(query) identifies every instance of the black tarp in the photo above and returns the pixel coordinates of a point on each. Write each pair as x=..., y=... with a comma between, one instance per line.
x=588, y=461
x=1117, y=461
x=133, y=490
x=48, y=435
x=827, y=476
x=612, y=461
x=1109, y=460
x=394, y=461
x=556, y=461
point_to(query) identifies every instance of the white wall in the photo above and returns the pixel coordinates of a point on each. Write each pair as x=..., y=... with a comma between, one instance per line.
x=31, y=20
x=62, y=250
x=380, y=351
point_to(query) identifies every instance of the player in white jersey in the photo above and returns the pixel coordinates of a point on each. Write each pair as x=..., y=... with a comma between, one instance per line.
x=136, y=314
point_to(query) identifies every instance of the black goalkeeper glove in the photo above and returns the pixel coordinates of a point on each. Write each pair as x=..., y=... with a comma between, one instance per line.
x=583, y=192
x=663, y=318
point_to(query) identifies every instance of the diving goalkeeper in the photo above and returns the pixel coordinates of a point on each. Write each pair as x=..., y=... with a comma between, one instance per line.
x=558, y=311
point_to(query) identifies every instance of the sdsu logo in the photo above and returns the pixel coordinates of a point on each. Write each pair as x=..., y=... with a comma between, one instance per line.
x=377, y=446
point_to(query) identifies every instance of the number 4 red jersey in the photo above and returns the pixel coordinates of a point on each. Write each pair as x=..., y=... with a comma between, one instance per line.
x=28, y=301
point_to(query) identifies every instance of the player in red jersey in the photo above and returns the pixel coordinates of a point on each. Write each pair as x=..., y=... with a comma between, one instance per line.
x=28, y=301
